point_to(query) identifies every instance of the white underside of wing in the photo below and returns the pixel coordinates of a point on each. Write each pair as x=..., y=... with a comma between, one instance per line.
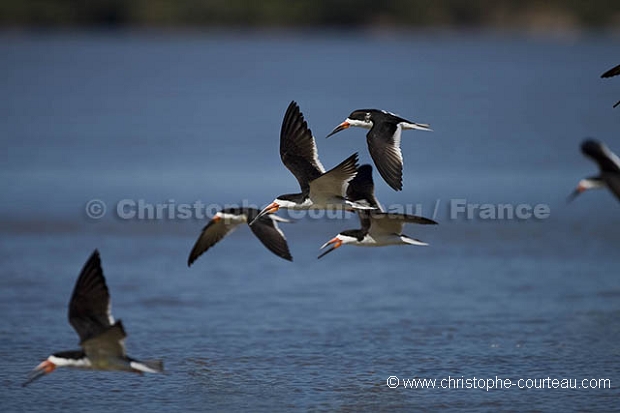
x=612, y=156
x=142, y=367
x=315, y=156
x=418, y=126
x=275, y=219
x=109, y=311
x=383, y=240
x=359, y=205
x=412, y=241
x=396, y=138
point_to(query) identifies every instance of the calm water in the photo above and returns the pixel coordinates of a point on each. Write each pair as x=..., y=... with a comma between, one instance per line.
x=179, y=118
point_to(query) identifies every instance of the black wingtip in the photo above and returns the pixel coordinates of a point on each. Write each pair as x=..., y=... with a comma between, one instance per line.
x=612, y=72
x=192, y=256
x=95, y=256
x=592, y=148
x=352, y=160
x=93, y=262
x=394, y=181
x=292, y=107
x=396, y=184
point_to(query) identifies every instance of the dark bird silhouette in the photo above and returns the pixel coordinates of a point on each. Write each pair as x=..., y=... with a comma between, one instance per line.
x=383, y=140
x=378, y=228
x=228, y=219
x=320, y=189
x=101, y=339
x=609, y=167
x=614, y=71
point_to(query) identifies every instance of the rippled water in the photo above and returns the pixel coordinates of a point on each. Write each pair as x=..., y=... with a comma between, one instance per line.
x=179, y=118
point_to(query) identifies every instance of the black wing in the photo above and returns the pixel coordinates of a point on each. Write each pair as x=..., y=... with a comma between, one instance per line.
x=365, y=221
x=89, y=308
x=362, y=187
x=612, y=72
x=384, y=147
x=613, y=182
x=298, y=148
x=211, y=234
x=601, y=154
x=267, y=231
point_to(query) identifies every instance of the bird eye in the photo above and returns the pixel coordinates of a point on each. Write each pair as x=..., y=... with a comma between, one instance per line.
x=367, y=117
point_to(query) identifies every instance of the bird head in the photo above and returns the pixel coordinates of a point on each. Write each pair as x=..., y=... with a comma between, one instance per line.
x=338, y=241
x=46, y=367
x=269, y=209
x=361, y=118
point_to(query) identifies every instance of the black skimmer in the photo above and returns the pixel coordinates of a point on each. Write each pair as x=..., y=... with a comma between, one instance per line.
x=378, y=228
x=383, y=140
x=101, y=339
x=614, y=71
x=319, y=189
x=228, y=219
x=609, y=165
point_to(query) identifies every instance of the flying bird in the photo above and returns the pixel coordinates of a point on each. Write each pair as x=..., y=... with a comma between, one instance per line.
x=614, y=71
x=609, y=166
x=379, y=228
x=383, y=140
x=101, y=339
x=320, y=189
x=228, y=219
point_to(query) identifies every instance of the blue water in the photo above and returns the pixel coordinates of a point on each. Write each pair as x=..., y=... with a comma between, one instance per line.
x=175, y=118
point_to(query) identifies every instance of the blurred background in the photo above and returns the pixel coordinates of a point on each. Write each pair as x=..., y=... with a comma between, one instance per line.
x=502, y=14
x=175, y=102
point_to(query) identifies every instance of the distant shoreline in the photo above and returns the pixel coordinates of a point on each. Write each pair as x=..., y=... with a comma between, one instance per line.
x=554, y=16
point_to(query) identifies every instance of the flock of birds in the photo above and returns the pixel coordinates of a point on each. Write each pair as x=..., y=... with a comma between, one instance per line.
x=347, y=187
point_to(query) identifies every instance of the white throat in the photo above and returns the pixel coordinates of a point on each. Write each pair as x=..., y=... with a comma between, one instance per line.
x=285, y=204
x=360, y=123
